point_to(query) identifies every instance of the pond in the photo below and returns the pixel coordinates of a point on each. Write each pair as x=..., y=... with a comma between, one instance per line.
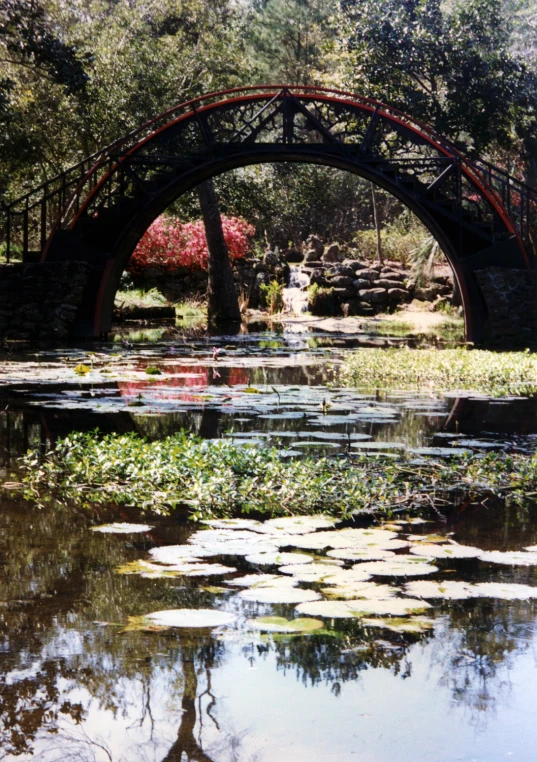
x=296, y=640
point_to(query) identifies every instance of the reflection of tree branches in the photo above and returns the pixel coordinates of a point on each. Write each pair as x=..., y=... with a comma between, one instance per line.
x=475, y=651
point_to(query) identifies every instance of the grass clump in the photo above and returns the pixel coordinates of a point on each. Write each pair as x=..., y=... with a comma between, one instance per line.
x=219, y=479
x=494, y=373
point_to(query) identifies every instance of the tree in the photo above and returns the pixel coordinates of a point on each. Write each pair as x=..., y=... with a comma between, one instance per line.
x=451, y=66
x=288, y=40
x=222, y=300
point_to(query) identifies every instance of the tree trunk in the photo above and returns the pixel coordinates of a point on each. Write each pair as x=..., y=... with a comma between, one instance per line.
x=222, y=301
x=377, y=225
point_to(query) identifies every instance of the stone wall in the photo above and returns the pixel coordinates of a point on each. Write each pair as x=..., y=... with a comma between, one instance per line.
x=352, y=287
x=249, y=274
x=510, y=296
x=39, y=301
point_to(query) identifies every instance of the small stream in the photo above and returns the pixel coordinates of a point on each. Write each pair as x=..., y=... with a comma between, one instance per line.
x=80, y=681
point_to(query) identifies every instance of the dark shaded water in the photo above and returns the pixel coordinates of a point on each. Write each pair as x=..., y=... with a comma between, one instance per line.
x=75, y=686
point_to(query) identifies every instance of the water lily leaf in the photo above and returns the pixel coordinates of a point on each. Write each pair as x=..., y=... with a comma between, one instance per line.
x=262, y=580
x=401, y=624
x=447, y=589
x=278, y=595
x=445, y=551
x=407, y=566
x=299, y=524
x=82, y=369
x=191, y=618
x=251, y=390
x=360, y=590
x=315, y=572
x=359, y=608
x=282, y=625
x=530, y=548
x=175, y=554
x=248, y=524
x=361, y=554
x=122, y=528
x=457, y=590
x=146, y=569
x=142, y=624
x=279, y=559
x=151, y=371
x=509, y=558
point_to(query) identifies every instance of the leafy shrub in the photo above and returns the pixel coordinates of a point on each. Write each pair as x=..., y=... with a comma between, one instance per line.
x=273, y=295
x=170, y=244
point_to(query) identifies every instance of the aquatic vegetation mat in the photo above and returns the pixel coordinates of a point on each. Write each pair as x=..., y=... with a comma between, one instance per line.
x=217, y=479
x=494, y=373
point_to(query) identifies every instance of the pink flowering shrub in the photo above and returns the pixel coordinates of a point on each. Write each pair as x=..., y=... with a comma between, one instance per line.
x=169, y=244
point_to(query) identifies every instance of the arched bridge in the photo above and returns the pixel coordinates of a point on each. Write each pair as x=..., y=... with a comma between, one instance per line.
x=98, y=210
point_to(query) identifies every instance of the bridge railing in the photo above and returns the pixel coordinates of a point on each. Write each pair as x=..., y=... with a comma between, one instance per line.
x=31, y=219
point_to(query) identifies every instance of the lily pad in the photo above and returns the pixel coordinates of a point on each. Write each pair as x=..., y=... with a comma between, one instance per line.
x=360, y=590
x=447, y=589
x=509, y=558
x=278, y=595
x=315, y=572
x=122, y=528
x=280, y=624
x=407, y=566
x=191, y=618
x=299, y=524
x=445, y=551
x=358, y=608
x=279, y=559
x=361, y=554
x=401, y=624
x=262, y=580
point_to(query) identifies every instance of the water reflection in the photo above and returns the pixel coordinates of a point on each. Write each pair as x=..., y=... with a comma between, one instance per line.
x=74, y=686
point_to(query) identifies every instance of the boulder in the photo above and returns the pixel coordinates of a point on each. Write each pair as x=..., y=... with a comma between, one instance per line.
x=323, y=302
x=311, y=255
x=373, y=295
x=332, y=254
x=355, y=264
x=352, y=307
x=317, y=277
x=271, y=259
x=368, y=273
x=340, y=270
x=392, y=275
x=315, y=244
x=385, y=283
x=341, y=281
x=426, y=294
x=360, y=283
x=397, y=294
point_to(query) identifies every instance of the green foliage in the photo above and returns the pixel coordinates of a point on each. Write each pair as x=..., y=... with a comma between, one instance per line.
x=494, y=373
x=217, y=478
x=447, y=64
x=272, y=295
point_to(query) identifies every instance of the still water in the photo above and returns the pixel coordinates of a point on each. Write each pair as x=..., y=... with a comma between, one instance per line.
x=78, y=683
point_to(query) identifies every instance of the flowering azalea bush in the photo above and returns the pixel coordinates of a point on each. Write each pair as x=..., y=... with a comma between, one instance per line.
x=169, y=244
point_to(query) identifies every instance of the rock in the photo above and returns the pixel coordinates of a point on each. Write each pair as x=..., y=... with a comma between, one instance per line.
x=260, y=267
x=271, y=259
x=361, y=283
x=352, y=307
x=317, y=278
x=323, y=302
x=311, y=255
x=340, y=270
x=392, y=275
x=397, y=294
x=293, y=256
x=341, y=281
x=373, y=295
x=368, y=274
x=355, y=264
x=314, y=243
x=385, y=283
x=263, y=278
x=332, y=254
x=426, y=294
